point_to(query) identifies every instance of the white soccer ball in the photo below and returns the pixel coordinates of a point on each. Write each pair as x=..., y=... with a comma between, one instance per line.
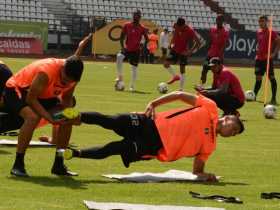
x=162, y=87
x=119, y=86
x=250, y=95
x=269, y=111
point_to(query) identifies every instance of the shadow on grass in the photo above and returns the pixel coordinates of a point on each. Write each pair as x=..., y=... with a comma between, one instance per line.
x=3, y=152
x=137, y=92
x=53, y=181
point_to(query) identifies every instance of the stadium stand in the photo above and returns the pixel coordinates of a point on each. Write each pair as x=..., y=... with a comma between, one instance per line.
x=163, y=13
x=247, y=12
x=73, y=17
x=33, y=11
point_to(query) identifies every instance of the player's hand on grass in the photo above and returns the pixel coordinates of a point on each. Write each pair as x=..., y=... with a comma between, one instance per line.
x=208, y=177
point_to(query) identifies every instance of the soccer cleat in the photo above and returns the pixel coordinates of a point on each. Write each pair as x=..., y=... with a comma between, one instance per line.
x=174, y=79
x=63, y=171
x=19, y=172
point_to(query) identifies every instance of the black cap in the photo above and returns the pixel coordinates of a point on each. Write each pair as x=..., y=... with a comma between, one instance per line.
x=214, y=61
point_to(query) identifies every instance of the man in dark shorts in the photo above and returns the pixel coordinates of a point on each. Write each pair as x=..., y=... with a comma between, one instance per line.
x=8, y=121
x=218, y=38
x=166, y=136
x=261, y=57
x=180, y=51
x=32, y=92
x=226, y=89
x=132, y=32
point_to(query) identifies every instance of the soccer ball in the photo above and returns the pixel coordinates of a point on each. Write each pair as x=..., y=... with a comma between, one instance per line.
x=162, y=87
x=119, y=86
x=269, y=111
x=250, y=95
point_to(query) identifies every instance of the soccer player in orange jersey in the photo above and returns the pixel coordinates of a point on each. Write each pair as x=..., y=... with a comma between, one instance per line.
x=33, y=91
x=166, y=136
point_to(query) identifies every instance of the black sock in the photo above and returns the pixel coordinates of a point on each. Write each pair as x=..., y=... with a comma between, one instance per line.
x=257, y=87
x=76, y=153
x=19, y=162
x=58, y=161
x=273, y=88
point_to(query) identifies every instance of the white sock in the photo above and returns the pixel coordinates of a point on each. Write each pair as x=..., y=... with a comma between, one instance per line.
x=171, y=71
x=120, y=58
x=133, y=76
x=182, y=81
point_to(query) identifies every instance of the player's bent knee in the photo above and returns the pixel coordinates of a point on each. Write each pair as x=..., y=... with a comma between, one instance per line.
x=120, y=56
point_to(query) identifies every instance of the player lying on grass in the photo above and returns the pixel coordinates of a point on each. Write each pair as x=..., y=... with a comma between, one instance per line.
x=166, y=136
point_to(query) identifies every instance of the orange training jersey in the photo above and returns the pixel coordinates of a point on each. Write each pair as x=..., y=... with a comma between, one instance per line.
x=188, y=133
x=50, y=66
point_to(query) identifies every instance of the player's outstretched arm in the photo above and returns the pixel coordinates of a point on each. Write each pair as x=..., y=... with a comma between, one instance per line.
x=82, y=45
x=198, y=169
x=173, y=96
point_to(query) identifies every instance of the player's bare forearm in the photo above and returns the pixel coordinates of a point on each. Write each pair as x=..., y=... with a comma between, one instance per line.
x=198, y=169
x=276, y=48
x=173, y=96
x=82, y=45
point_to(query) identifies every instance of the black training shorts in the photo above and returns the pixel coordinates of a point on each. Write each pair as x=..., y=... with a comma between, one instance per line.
x=174, y=57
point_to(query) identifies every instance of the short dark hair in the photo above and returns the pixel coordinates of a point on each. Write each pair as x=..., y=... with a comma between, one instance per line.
x=241, y=125
x=221, y=17
x=180, y=21
x=74, y=68
x=263, y=17
x=137, y=12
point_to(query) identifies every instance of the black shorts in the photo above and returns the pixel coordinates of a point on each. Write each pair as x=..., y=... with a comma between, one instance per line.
x=9, y=121
x=228, y=103
x=260, y=67
x=174, y=57
x=132, y=57
x=141, y=131
x=14, y=104
x=5, y=74
x=164, y=51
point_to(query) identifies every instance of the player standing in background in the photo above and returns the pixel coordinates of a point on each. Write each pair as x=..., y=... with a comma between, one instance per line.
x=218, y=38
x=164, y=42
x=153, y=45
x=261, y=56
x=182, y=36
x=132, y=32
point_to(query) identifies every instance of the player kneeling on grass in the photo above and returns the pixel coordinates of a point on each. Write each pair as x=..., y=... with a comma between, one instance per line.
x=167, y=136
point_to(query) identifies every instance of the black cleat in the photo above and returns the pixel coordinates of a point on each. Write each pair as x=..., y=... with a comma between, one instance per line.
x=63, y=171
x=19, y=172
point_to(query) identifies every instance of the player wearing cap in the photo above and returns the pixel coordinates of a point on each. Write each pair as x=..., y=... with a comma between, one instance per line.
x=226, y=89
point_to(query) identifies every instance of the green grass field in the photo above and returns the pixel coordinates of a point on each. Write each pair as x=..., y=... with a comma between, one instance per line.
x=249, y=163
